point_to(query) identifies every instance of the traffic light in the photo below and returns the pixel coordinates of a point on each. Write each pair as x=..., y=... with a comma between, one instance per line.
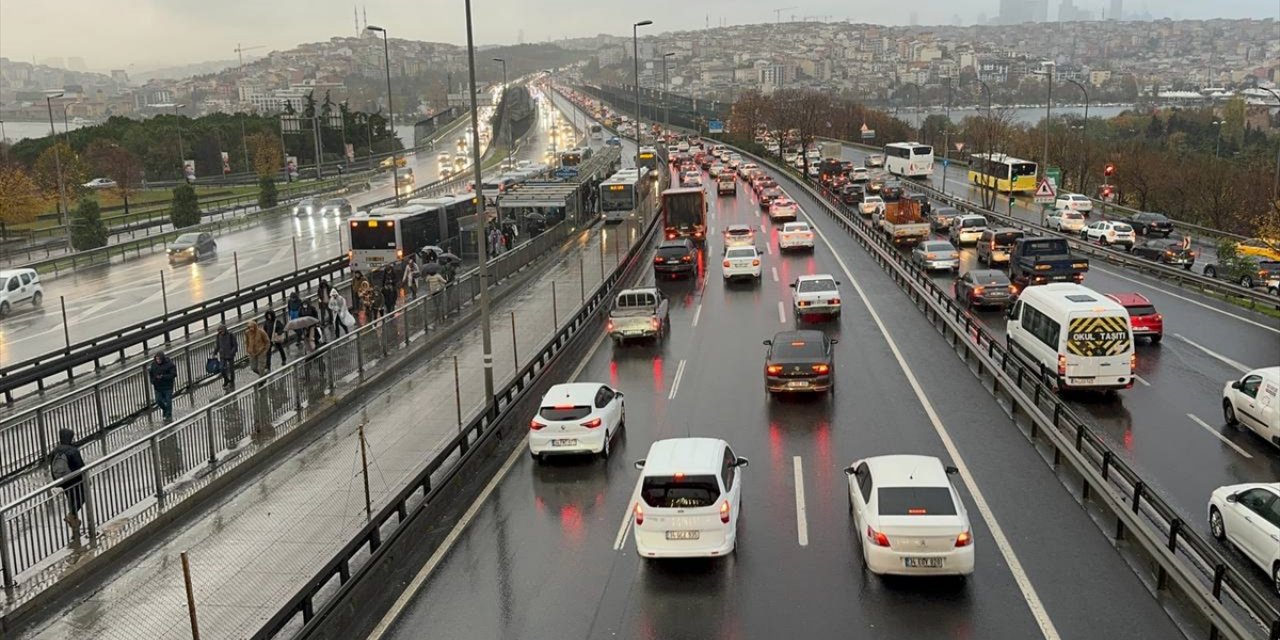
x=1109, y=170
x=1106, y=191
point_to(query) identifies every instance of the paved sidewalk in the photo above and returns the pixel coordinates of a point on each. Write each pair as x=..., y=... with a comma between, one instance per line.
x=252, y=551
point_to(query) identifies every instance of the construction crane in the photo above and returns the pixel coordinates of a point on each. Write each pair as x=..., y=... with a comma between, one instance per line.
x=240, y=51
x=777, y=13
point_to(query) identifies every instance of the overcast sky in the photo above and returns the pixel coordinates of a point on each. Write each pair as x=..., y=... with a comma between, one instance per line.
x=142, y=34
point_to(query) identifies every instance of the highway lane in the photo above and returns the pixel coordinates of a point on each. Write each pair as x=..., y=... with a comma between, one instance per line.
x=548, y=555
x=121, y=294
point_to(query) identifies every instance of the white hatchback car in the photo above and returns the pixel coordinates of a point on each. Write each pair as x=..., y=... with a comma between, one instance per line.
x=795, y=235
x=967, y=229
x=1065, y=220
x=578, y=417
x=741, y=262
x=19, y=285
x=739, y=235
x=815, y=294
x=1073, y=201
x=1248, y=517
x=909, y=516
x=784, y=209
x=687, y=500
x=1108, y=232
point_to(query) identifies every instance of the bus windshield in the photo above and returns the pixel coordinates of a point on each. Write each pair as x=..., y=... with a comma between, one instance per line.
x=616, y=197
x=1024, y=169
x=570, y=160
x=372, y=234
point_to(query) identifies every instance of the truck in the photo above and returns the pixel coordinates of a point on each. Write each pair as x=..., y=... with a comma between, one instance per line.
x=832, y=150
x=639, y=313
x=1040, y=260
x=829, y=170
x=684, y=214
x=902, y=222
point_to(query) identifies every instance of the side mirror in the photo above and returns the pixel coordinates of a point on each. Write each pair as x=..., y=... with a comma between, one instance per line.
x=1235, y=384
x=1232, y=498
x=792, y=285
x=835, y=341
x=618, y=393
x=639, y=464
x=952, y=470
x=850, y=471
x=837, y=283
x=768, y=343
x=741, y=462
x=1010, y=314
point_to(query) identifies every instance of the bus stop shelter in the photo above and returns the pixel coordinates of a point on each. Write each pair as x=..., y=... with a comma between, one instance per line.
x=533, y=206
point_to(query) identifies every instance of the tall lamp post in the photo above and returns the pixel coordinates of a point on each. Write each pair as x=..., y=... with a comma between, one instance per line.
x=391, y=112
x=182, y=154
x=57, y=165
x=1275, y=181
x=506, y=119
x=1217, y=147
x=1084, y=130
x=666, y=94
x=1049, y=67
x=635, y=53
x=481, y=220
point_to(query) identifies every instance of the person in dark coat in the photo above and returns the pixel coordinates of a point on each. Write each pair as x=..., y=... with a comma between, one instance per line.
x=225, y=348
x=357, y=279
x=163, y=374
x=294, y=305
x=390, y=295
x=64, y=461
x=275, y=331
x=322, y=294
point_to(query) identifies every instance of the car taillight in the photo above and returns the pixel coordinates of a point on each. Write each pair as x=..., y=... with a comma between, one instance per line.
x=686, y=259
x=774, y=369
x=697, y=234
x=964, y=539
x=877, y=538
x=608, y=325
x=1157, y=318
x=726, y=264
x=1133, y=362
x=833, y=301
x=821, y=368
x=671, y=235
x=591, y=424
x=804, y=303
x=993, y=245
x=657, y=259
x=1062, y=365
x=724, y=512
x=639, y=514
x=755, y=262
x=653, y=323
x=534, y=425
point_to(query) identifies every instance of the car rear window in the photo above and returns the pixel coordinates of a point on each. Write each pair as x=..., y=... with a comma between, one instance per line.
x=989, y=278
x=973, y=222
x=741, y=252
x=937, y=246
x=1123, y=227
x=1141, y=310
x=795, y=226
x=811, y=286
x=680, y=492
x=1007, y=238
x=915, y=501
x=559, y=413
x=797, y=349
x=673, y=250
x=739, y=232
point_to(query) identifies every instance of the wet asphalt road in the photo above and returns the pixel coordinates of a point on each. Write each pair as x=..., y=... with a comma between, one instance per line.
x=548, y=555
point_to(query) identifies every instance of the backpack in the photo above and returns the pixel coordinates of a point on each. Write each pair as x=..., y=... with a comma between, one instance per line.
x=60, y=466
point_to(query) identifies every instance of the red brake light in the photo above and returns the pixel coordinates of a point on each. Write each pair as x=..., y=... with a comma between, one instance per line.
x=653, y=323
x=639, y=514
x=1062, y=365
x=833, y=301
x=608, y=325
x=964, y=539
x=534, y=425
x=821, y=368
x=1133, y=362
x=657, y=259
x=877, y=538
x=726, y=264
x=756, y=262
x=591, y=424
x=774, y=369
x=724, y=512
x=686, y=259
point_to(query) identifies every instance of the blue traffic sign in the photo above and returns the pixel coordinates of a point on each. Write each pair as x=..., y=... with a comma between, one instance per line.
x=567, y=172
x=715, y=126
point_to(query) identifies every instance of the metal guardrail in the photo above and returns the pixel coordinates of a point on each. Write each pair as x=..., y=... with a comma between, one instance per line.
x=1178, y=554
x=154, y=473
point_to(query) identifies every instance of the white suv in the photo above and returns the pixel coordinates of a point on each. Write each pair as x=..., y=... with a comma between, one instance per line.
x=19, y=285
x=1107, y=232
x=1074, y=201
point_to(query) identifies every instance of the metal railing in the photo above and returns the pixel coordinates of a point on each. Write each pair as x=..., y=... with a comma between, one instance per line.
x=1223, y=598
x=146, y=477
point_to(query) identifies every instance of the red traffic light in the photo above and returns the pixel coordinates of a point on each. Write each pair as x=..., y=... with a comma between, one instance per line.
x=1106, y=192
x=1109, y=170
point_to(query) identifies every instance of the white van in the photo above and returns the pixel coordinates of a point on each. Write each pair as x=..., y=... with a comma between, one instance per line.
x=1076, y=335
x=1254, y=402
x=19, y=285
x=688, y=498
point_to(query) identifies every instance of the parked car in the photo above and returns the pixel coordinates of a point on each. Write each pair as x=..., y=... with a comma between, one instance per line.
x=1151, y=224
x=192, y=247
x=19, y=285
x=99, y=183
x=1171, y=251
x=1145, y=321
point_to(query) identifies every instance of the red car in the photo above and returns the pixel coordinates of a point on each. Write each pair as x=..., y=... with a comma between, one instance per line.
x=1144, y=319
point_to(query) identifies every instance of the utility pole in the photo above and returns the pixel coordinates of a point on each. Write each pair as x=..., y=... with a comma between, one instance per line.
x=482, y=238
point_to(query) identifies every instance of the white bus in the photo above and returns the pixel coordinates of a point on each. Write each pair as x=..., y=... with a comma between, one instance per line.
x=597, y=133
x=627, y=194
x=386, y=235
x=1079, y=338
x=908, y=159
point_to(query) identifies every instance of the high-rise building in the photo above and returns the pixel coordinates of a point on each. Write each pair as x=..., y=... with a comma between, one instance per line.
x=1019, y=11
x=1117, y=10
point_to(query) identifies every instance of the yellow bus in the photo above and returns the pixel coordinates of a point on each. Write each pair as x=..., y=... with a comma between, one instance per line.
x=1001, y=172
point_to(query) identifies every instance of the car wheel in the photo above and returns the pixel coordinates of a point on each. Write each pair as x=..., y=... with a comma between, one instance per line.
x=1102, y=240
x=37, y=298
x=537, y=459
x=604, y=451
x=1157, y=338
x=1229, y=414
x=1246, y=282
x=1211, y=272
x=1216, y=527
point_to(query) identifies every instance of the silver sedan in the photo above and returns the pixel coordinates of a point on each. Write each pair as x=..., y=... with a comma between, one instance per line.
x=938, y=255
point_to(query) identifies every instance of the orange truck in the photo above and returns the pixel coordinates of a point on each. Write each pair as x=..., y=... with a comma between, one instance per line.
x=902, y=222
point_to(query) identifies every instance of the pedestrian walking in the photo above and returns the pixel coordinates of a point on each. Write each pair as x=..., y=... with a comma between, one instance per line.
x=390, y=294
x=225, y=348
x=322, y=294
x=275, y=332
x=435, y=283
x=294, y=305
x=371, y=300
x=357, y=281
x=338, y=311
x=64, y=463
x=257, y=345
x=411, y=275
x=163, y=374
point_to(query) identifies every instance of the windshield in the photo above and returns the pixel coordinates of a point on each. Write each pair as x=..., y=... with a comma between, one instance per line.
x=798, y=348
x=915, y=501
x=795, y=226
x=1024, y=169
x=680, y=492
x=186, y=238
x=565, y=413
x=812, y=286
x=1071, y=215
x=973, y=222
x=988, y=277
x=738, y=231
x=937, y=246
x=1045, y=247
x=1006, y=238
x=1123, y=228
x=616, y=197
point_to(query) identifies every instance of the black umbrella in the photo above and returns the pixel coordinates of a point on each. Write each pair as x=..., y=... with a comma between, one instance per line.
x=431, y=267
x=449, y=258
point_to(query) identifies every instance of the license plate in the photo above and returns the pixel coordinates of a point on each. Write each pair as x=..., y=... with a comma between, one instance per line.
x=375, y=259
x=798, y=384
x=564, y=442
x=1086, y=379
x=683, y=535
x=924, y=563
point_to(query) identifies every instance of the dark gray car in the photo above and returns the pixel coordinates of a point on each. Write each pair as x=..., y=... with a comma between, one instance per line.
x=192, y=247
x=984, y=288
x=336, y=207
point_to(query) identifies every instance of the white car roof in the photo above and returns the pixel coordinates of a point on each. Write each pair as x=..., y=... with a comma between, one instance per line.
x=816, y=276
x=795, y=226
x=907, y=471
x=970, y=216
x=574, y=393
x=690, y=456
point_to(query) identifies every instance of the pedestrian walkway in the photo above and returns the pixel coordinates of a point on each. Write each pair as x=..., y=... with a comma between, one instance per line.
x=251, y=551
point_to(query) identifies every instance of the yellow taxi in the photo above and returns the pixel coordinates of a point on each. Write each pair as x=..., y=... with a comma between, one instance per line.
x=1259, y=248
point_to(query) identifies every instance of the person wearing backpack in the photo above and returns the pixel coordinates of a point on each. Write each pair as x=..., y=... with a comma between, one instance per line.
x=163, y=373
x=64, y=462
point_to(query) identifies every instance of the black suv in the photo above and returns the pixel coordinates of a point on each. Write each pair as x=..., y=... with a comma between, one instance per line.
x=676, y=257
x=851, y=194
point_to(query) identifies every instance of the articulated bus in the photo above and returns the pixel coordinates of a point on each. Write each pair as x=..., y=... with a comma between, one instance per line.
x=908, y=159
x=1002, y=173
x=627, y=194
x=386, y=235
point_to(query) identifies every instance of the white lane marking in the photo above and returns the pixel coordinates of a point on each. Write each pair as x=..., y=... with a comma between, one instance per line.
x=92, y=312
x=625, y=527
x=782, y=313
x=436, y=558
x=1214, y=433
x=1214, y=354
x=775, y=273
x=1186, y=299
x=768, y=248
x=697, y=313
x=802, y=520
x=1141, y=380
x=1047, y=628
x=675, y=382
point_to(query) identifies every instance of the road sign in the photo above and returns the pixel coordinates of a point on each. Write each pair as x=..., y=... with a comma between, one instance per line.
x=1054, y=174
x=1045, y=193
x=959, y=146
x=945, y=162
x=715, y=126
x=567, y=172
x=868, y=134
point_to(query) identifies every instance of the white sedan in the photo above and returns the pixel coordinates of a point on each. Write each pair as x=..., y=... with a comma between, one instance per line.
x=691, y=179
x=783, y=209
x=817, y=294
x=909, y=517
x=1073, y=201
x=741, y=262
x=1066, y=221
x=99, y=183
x=1108, y=232
x=795, y=235
x=739, y=235
x=1248, y=517
x=580, y=417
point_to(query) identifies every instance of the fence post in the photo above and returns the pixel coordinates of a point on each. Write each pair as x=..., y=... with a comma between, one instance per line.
x=43, y=432
x=208, y=428
x=582, y=280
x=102, y=418
x=191, y=597
x=90, y=514
x=515, y=347
x=555, y=309
x=327, y=358
x=359, y=353
x=6, y=563
x=156, y=471
x=457, y=392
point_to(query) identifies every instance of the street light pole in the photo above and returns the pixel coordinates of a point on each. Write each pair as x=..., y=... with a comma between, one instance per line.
x=481, y=218
x=391, y=112
x=506, y=110
x=57, y=164
x=666, y=94
x=1217, y=148
x=1084, y=131
x=1048, y=114
x=635, y=53
x=182, y=155
x=1275, y=182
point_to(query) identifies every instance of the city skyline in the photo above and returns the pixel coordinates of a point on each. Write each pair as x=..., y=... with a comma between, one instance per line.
x=157, y=34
